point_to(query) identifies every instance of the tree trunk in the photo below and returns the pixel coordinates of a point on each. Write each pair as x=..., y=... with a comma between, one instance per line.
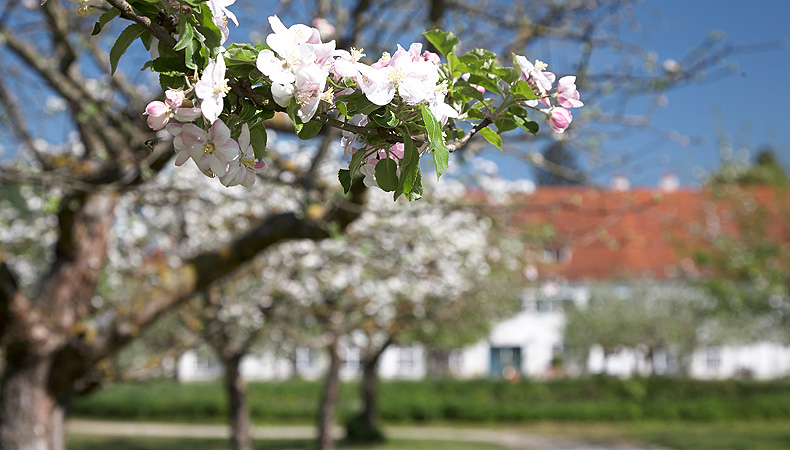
x=438, y=362
x=239, y=413
x=364, y=428
x=31, y=417
x=326, y=412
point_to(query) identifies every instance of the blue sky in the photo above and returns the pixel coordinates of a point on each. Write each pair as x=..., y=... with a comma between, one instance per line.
x=749, y=105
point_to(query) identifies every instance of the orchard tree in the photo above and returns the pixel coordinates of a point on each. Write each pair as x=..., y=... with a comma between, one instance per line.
x=645, y=317
x=742, y=245
x=399, y=271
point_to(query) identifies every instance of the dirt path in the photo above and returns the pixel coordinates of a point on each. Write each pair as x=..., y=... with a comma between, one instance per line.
x=506, y=438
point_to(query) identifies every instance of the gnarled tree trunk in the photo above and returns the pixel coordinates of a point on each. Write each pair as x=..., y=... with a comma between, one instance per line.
x=31, y=415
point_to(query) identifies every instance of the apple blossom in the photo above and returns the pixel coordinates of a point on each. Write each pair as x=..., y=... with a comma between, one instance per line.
x=559, y=118
x=159, y=113
x=567, y=95
x=212, y=88
x=242, y=170
x=211, y=151
x=534, y=73
x=405, y=73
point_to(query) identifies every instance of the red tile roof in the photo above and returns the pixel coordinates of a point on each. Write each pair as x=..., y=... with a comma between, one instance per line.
x=643, y=232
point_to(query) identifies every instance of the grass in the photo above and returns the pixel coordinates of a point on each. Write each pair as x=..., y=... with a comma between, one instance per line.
x=739, y=435
x=78, y=442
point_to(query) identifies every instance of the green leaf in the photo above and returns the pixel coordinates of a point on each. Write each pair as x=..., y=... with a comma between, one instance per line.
x=169, y=65
x=291, y=109
x=344, y=175
x=342, y=108
x=189, y=53
x=212, y=37
x=258, y=139
x=527, y=123
x=125, y=39
x=310, y=130
x=357, y=103
x=104, y=19
x=170, y=82
x=441, y=156
x=387, y=174
x=410, y=155
x=522, y=91
x=504, y=123
x=444, y=41
x=240, y=54
x=186, y=34
x=357, y=159
x=385, y=118
x=414, y=178
x=458, y=68
x=491, y=137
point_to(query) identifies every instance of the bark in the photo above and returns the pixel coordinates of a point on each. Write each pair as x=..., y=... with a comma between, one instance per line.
x=32, y=417
x=326, y=412
x=240, y=423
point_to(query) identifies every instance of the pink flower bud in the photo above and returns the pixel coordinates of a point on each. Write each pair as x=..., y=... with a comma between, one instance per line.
x=432, y=57
x=158, y=115
x=559, y=119
x=325, y=29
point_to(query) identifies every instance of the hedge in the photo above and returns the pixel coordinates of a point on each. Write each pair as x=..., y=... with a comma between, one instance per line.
x=584, y=399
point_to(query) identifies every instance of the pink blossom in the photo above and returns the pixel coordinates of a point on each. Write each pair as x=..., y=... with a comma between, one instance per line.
x=414, y=80
x=212, y=88
x=540, y=81
x=219, y=9
x=242, y=171
x=559, y=118
x=323, y=26
x=431, y=57
x=567, y=95
x=211, y=151
x=159, y=113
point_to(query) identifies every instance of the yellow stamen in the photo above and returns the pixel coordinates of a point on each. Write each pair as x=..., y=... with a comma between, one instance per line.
x=208, y=148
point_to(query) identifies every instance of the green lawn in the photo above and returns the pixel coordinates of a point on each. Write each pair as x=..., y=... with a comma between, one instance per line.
x=739, y=435
x=78, y=442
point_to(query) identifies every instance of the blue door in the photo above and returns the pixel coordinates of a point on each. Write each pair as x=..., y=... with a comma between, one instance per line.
x=505, y=362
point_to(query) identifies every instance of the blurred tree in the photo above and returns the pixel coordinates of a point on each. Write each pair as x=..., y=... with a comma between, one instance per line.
x=744, y=245
x=645, y=317
x=401, y=273
x=559, y=167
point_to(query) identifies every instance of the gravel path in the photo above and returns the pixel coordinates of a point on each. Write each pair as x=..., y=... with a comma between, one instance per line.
x=506, y=438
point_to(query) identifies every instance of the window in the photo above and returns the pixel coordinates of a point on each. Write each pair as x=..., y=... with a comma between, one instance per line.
x=305, y=359
x=406, y=360
x=351, y=359
x=712, y=358
x=554, y=255
x=456, y=361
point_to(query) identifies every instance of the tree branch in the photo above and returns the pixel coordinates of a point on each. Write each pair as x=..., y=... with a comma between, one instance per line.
x=157, y=31
x=196, y=274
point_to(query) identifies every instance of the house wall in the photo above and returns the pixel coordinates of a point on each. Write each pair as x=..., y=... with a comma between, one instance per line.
x=537, y=334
